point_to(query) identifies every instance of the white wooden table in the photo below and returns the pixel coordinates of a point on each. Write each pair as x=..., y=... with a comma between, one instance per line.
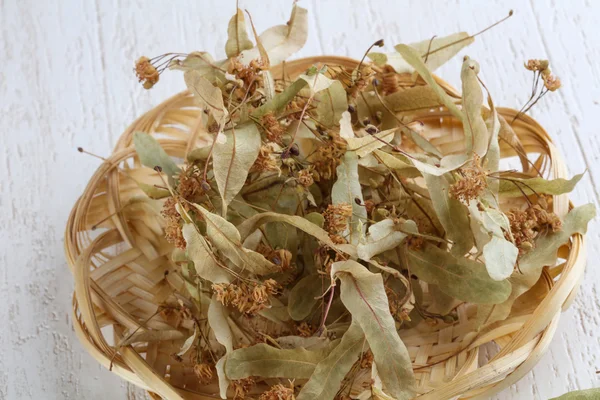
x=66, y=80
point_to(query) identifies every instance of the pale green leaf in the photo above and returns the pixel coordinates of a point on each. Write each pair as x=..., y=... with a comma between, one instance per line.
x=458, y=277
x=589, y=394
x=204, y=64
x=276, y=312
x=233, y=159
x=317, y=82
x=303, y=297
x=269, y=362
x=412, y=99
x=531, y=264
x=448, y=163
x=365, y=145
x=346, y=131
x=439, y=50
x=510, y=188
x=363, y=294
x=304, y=224
x=189, y=342
x=237, y=40
x=280, y=100
x=400, y=164
x=382, y=236
x=414, y=59
x=199, y=252
x=217, y=319
x=345, y=190
x=226, y=238
x=329, y=373
x=222, y=376
x=492, y=158
x=151, y=154
x=452, y=214
x=207, y=95
x=500, y=258
x=269, y=84
x=152, y=191
x=474, y=128
x=282, y=41
x=331, y=104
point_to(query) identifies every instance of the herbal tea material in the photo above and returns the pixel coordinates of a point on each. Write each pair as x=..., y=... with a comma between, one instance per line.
x=318, y=210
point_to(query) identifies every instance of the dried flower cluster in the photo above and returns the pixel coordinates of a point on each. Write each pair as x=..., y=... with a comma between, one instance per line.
x=471, y=182
x=526, y=224
x=246, y=298
x=316, y=197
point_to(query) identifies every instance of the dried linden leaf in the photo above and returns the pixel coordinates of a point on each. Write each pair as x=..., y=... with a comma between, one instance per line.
x=280, y=100
x=200, y=253
x=152, y=154
x=363, y=294
x=590, y=394
x=217, y=319
x=458, y=277
x=233, y=159
x=367, y=144
x=330, y=372
x=226, y=238
x=303, y=297
x=531, y=264
x=474, y=128
x=346, y=131
x=189, y=342
x=282, y=41
x=269, y=362
x=448, y=163
x=452, y=214
x=346, y=190
x=382, y=236
x=414, y=59
x=309, y=226
x=413, y=99
x=331, y=104
x=207, y=95
x=500, y=258
x=317, y=82
x=237, y=40
x=223, y=380
x=510, y=188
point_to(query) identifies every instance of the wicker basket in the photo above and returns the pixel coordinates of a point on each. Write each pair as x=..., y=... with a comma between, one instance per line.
x=121, y=269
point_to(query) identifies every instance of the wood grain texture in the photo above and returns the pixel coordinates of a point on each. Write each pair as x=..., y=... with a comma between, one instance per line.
x=66, y=80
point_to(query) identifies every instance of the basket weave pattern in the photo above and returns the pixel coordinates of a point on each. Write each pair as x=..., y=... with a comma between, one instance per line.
x=121, y=269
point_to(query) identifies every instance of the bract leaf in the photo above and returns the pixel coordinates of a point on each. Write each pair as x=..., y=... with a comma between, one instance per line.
x=363, y=294
x=346, y=190
x=233, y=159
x=510, y=188
x=269, y=362
x=237, y=40
x=226, y=238
x=329, y=373
x=199, y=252
x=531, y=264
x=476, y=134
x=282, y=41
x=458, y=277
x=152, y=154
x=414, y=59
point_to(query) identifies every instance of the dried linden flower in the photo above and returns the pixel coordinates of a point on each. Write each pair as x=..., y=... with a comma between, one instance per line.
x=278, y=392
x=146, y=72
x=471, y=184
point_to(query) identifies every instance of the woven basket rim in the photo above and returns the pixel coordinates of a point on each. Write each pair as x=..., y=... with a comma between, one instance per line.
x=517, y=356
